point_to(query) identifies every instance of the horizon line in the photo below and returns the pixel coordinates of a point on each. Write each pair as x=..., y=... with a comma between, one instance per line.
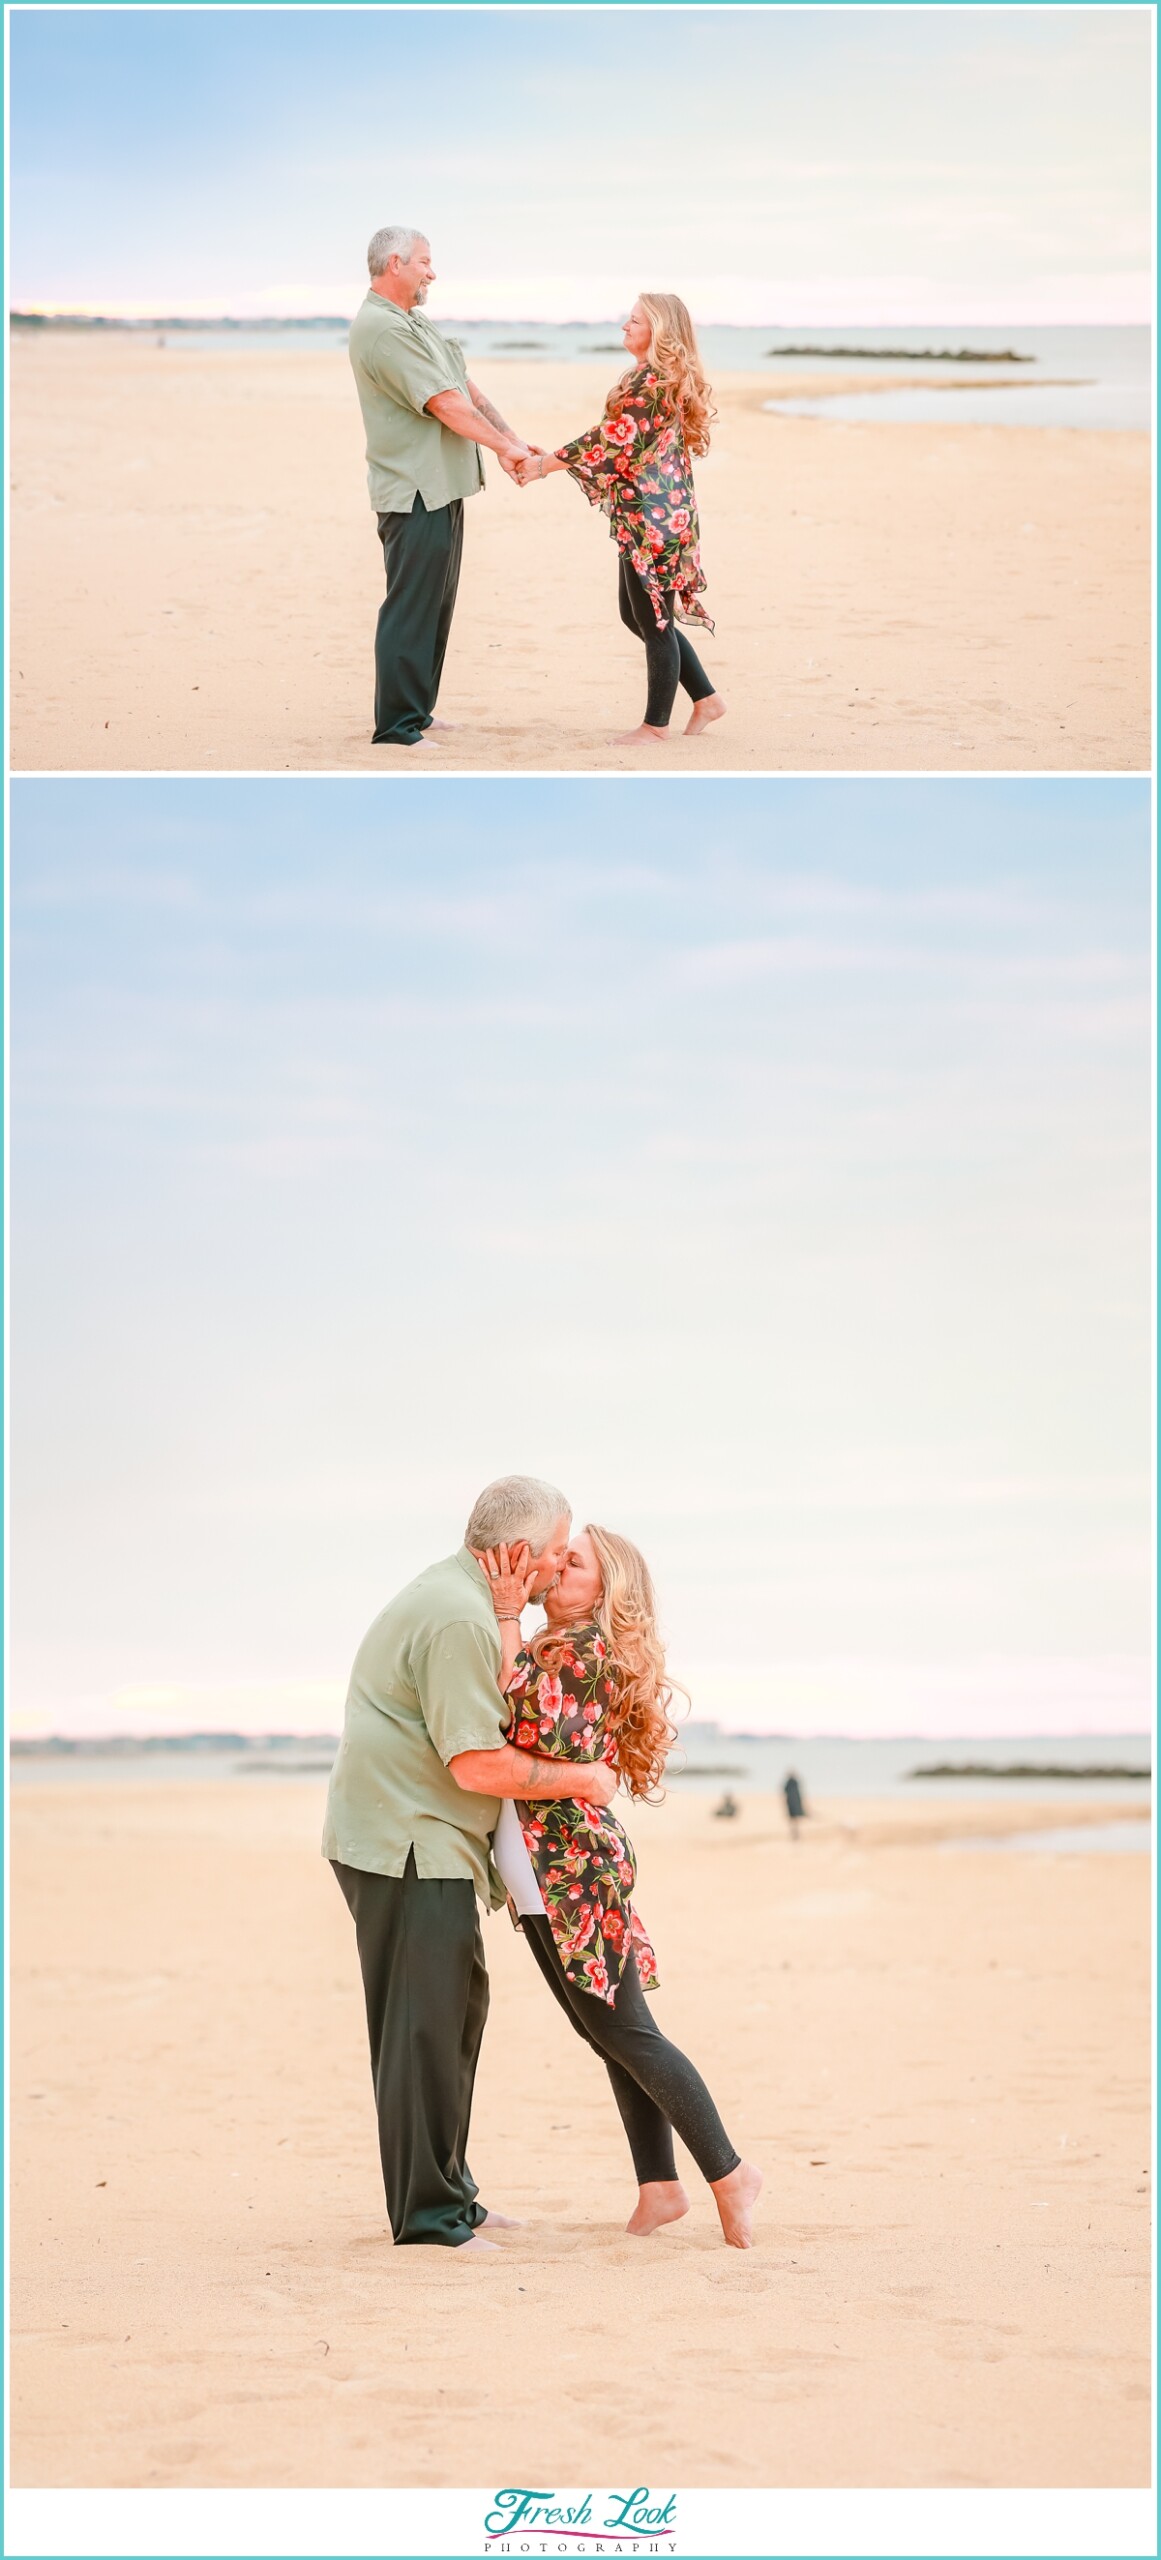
x=739, y=1733
x=136, y=316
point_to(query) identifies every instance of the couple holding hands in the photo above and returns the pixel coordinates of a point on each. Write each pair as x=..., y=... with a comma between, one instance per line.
x=426, y=421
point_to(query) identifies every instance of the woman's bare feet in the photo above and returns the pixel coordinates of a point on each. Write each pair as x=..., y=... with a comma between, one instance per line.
x=476, y=2247
x=662, y=2200
x=639, y=737
x=499, y=2222
x=735, y=2198
x=703, y=713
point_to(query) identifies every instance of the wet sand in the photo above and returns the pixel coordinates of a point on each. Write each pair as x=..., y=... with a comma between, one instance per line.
x=939, y=2061
x=196, y=577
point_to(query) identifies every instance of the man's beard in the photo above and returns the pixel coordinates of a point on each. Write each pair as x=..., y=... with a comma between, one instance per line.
x=420, y=294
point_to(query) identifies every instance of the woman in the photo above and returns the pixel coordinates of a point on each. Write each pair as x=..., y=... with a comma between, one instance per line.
x=592, y=1686
x=635, y=464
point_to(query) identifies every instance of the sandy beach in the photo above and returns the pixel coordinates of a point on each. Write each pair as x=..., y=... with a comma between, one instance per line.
x=196, y=578
x=939, y=2060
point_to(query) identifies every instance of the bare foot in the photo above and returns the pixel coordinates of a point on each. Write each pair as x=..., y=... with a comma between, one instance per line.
x=735, y=2198
x=443, y=724
x=712, y=708
x=477, y=2248
x=639, y=737
x=408, y=743
x=662, y=2200
x=499, y=2222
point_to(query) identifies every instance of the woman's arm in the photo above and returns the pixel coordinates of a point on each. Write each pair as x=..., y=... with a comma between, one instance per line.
x=538, y=467
x=509, y=1580
x=608, y=452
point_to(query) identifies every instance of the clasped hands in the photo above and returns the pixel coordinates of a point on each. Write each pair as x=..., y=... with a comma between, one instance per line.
x=521, y=461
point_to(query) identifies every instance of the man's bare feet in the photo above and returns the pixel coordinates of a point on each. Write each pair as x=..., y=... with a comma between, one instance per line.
x=662, y=2200
x=406, y=743
x=703, y=713
x=443, y=724
x=639, y=737
x=735, y=2198
x=478, y=2247
x=499, y=2222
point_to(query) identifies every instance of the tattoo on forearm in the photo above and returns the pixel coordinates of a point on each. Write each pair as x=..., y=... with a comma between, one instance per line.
x=484, y=409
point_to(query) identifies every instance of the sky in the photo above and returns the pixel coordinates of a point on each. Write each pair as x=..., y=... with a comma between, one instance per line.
x=939, y=165
x=764, y=1163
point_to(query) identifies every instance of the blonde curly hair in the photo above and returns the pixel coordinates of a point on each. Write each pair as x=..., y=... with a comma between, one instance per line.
x=673, y=354
x=639, y=1722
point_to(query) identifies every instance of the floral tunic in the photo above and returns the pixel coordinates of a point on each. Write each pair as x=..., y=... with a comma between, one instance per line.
x=583, y=1862
x=636, y=467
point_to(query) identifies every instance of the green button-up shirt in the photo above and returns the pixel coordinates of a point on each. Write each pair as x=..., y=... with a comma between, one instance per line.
x=400, y=360
x=424, y=1686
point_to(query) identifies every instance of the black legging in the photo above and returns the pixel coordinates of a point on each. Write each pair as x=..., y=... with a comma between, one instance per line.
x=654, y=2085
x=669, y=659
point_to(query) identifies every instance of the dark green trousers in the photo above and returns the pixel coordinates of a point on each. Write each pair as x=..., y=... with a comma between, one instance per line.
x=421, y=555
x=426, y=1988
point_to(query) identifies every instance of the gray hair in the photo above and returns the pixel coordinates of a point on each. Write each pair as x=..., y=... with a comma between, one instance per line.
x=516, y=1507
x=395, y=242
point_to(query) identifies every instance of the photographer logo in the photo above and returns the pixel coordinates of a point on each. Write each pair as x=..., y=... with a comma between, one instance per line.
x=523, y=2521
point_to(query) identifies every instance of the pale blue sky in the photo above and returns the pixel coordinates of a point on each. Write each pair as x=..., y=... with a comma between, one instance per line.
x=766, y=1163
x=775, y=166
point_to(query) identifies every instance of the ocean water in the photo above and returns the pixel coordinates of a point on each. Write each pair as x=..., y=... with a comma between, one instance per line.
x=707, y=1761
x=975, y=403
x=1108, y=1839
x=1105, y=372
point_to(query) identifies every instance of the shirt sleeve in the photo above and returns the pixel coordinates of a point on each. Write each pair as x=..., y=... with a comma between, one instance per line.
x=408, y=372
x=456, y=1680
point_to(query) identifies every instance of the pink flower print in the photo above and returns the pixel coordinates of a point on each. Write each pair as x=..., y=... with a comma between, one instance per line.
x=584, y=1923
x=598, y=1976
x=549, y=1695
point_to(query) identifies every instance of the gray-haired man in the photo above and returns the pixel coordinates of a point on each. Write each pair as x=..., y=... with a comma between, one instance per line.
x=425, y=424
x=414, y=1799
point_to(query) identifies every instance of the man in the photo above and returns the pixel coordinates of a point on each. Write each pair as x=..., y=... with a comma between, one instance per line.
x=425, y=424
x=414, y=1799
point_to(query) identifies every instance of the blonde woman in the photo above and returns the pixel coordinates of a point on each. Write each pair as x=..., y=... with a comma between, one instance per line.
x=636, y=464
x=591, y=1687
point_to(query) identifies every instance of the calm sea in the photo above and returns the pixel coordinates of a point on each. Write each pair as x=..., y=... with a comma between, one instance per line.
x=1101, y=375
x=707, y=1761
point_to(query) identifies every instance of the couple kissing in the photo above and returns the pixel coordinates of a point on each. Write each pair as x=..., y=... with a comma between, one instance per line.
x=475, y=1765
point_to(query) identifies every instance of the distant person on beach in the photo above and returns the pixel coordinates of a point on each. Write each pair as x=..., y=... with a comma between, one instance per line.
x=425, y=423
x=636, y=464
x=590, y=1692
x=795, y=1807
x=414, y=1798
